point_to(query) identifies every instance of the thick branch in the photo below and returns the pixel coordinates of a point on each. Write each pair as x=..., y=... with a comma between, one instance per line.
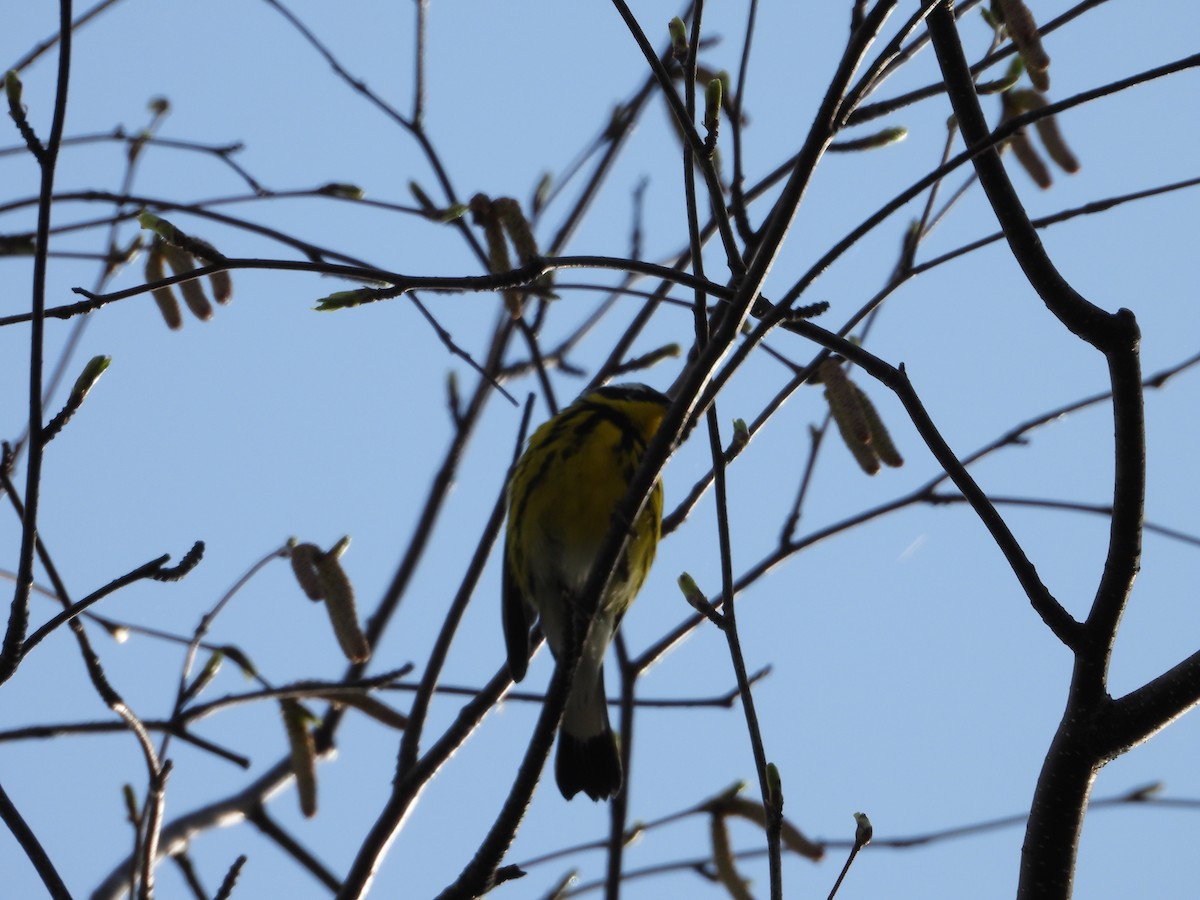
x=1075, y=756
x=1142, y=713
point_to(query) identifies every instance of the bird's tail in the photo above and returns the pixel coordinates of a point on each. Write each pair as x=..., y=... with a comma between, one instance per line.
x=588, y=758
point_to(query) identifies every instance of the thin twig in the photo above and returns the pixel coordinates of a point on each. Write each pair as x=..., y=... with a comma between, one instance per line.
x=32, y=848
x=18, y=618
x=51, y=41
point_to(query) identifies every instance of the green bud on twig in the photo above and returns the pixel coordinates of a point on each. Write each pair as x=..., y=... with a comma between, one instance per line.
x=1144, y=793
x=421, y=197
x=679, y=42
x=712, y=108
x=696, y=599
x=559, y=889
x=83, y=384
x=132, y=809
x=160, y=227
x=87, y=379
x=342, y=189
x=241, y=660
x=432, y=211
x=207, y=674
x=741, y=436
x=882, y=138
x=775, y=785
x=344, y=299
x=1009, y=80
x=13, y=89
x=541, y=192
x=863, y=831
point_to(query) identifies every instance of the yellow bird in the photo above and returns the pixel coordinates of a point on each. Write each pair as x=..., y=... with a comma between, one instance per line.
x=561, y=498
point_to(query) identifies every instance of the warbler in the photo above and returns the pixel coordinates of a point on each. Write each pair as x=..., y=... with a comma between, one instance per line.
x=561, y=498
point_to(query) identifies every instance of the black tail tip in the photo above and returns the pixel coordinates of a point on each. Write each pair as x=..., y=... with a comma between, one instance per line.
x=591, y=765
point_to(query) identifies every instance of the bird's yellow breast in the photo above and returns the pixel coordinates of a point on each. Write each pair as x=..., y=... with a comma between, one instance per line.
x=565, y=490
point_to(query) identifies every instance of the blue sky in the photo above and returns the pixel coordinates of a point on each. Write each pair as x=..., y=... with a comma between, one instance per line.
x=910, y=679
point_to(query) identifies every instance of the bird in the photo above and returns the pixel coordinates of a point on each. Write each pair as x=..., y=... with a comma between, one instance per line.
x=562, y=494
